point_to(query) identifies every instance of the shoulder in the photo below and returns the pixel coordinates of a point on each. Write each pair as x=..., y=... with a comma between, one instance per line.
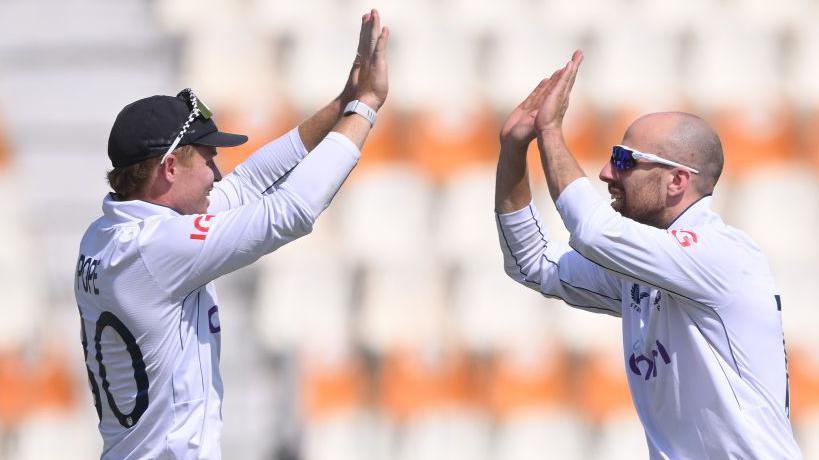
x=717, y=240
x=174, y=233
x=722, y=253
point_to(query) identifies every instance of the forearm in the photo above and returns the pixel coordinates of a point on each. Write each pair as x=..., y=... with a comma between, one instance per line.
x=512, y=190
x=355, y=127
x=315, y=128
x=319, y=176
x=256, y=175
x=531, y=257
x=523, y=243
x=559, y=165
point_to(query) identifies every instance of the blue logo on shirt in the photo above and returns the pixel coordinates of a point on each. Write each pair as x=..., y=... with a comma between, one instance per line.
x=637, y=297
x=213, y=320
x=635, y=361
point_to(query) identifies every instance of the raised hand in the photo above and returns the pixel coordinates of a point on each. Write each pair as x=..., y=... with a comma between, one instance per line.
x=555, y=100
x=364, y=38
x=519, y=128
x=368, y=80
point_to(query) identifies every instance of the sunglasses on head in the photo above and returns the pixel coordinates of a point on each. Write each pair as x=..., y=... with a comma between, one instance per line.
x=197, y=108
x=624, y=158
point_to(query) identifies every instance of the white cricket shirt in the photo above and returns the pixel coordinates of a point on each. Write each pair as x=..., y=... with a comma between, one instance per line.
x=702, y=332
x=148, y=308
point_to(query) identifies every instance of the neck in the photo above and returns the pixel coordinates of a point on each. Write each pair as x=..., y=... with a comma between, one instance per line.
x=672, y=213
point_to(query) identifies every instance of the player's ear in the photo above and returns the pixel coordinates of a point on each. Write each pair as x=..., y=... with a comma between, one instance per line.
x=680, y=181
x=169, y=168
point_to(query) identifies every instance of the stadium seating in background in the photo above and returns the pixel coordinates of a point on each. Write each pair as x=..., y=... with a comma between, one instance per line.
x=402, y=305
x=386, y=145
x=756, y=136
x=801, y=86
x=767, y=202
x=809, y=139
x=39, y=397
x=335, y=399
x=803, y=368
x=66, y=435
x=635, y=60
x=431, y=395
x=530, y=396
x=725, y=66
x=21, y=281
x=402, y=338
x=464, y=222
x=583, y=132
x=16, y=401
x=305, y=293
x=260, y=126
x=5, y=146
x=443, y=143
x=603, y=396
x=384, y=216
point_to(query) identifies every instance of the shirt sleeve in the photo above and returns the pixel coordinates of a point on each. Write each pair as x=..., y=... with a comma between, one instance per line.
x=694, y=263
x=185, y=252
x=258, y=174
x=552, y=267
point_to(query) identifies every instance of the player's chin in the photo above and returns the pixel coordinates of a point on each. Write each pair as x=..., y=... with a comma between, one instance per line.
x=617, y=204
x=202, y=206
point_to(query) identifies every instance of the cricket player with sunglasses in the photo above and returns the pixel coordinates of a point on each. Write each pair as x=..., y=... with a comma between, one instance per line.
x=700, y=313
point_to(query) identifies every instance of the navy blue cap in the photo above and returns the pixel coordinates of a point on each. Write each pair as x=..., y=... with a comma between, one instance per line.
x=147, y=128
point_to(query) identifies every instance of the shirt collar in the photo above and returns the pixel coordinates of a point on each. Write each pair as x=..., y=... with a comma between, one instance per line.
x=697, y=214
x=133, y=210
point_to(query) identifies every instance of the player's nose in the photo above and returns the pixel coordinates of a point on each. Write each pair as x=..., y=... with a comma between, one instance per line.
x=607, y=173
x=217, y=175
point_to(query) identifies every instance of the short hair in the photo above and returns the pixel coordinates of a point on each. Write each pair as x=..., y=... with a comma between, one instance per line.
x=131, y=180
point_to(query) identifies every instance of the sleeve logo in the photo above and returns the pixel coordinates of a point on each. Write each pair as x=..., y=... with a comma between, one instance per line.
x=685, y=237
x=202, y=225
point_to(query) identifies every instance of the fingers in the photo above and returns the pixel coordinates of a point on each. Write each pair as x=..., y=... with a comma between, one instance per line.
x=548, y=87
x=381, y=44
x=577, y=59
x=368, y=37
x=567, y=76
x=535, y=98
x=531, y=99
x=376, y=28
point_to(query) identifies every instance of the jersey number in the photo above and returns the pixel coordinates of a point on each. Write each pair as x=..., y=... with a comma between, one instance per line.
x=108, y=319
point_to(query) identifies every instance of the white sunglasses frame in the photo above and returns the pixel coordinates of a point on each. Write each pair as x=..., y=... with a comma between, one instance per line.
x=638, y=155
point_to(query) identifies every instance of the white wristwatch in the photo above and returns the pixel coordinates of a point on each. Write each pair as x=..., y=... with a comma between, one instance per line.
x=362, y=109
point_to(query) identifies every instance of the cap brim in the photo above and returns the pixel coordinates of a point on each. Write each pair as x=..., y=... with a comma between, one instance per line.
x=220, y=139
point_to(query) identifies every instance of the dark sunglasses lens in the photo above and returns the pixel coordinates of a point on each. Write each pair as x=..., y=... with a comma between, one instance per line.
x=621, y=158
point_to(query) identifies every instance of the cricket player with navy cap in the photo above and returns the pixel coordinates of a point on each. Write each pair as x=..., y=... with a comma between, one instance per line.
x=144, y=277
x=700, y=313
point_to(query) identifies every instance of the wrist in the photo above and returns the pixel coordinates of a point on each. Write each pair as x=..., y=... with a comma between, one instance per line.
x=338, y=103
x=550, y=133
x=361, y=108
x=371, y=100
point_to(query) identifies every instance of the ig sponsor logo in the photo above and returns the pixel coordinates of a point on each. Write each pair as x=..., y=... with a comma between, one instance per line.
x=643, y=365
x=201, y=223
